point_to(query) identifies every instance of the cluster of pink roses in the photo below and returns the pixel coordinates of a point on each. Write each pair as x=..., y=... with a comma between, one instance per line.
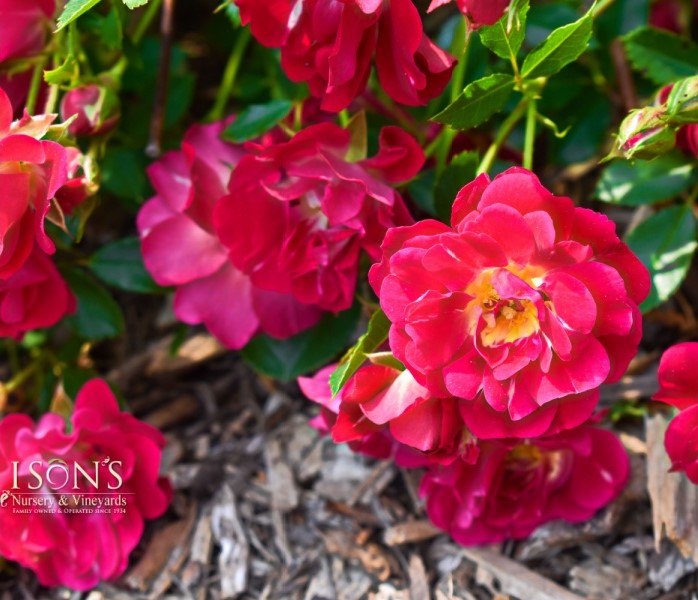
x=273, y=229
x=507, y=322
x=72, y=502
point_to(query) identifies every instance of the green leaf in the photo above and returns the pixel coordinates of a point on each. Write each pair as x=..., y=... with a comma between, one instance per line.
x=63, y=72
x=123, y=174
x=564, y=45
x=505, y=37
x=73, y=9
x=645, y=182
x=256, y=120
x=377, y=333
x=305, y=352
x=478, y=102
x=74, y=378
x=135, y=3
x=120, y=264
x=462, y=170
x=663, y=56
x=107, y=27
x=665, y=243
x=98, y=316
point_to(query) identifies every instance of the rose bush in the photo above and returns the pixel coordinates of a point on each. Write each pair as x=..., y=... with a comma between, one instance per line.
x=513, y=488
x=522, y=308
x=331, y=46
x=73, y=548
x=298, y=213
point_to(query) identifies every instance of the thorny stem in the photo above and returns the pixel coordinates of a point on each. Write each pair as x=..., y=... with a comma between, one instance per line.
x=158, y=120
x=229, y=76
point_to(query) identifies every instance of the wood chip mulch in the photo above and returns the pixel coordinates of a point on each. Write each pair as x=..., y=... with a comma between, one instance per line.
x=266, y=508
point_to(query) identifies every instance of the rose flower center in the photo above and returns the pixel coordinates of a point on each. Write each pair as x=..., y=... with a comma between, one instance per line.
x=506, y=319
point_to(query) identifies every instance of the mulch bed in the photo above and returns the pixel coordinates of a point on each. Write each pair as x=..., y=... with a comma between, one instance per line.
x=266, y=508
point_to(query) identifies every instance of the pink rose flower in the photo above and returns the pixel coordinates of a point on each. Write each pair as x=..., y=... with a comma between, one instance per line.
x=31, y=170
x=478, y=12
x=36, y=296
x=384, y=412
x=330, y=44
x=522, y=309
x=514, y=488
x=299, y=213
x=181, y=248
x=96, y=109
x=118, y=458
x=678, y=386
x=23, y=27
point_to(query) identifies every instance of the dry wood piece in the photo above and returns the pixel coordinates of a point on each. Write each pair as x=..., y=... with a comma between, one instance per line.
x=516, y=579
x=674, y=498
x=180, y=409
x=193, y=351
x=410, y=532
x=372, y=557
x=419, y=584
x=233, y=560
x=597, y=580
x=284, y=494
x=160, y=549
x=200, y=553
x=321, y=586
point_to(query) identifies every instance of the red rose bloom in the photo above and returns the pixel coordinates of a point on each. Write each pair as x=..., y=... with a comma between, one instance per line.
x=330, y=45
x=478, y=12
x=31, y=171
x=299, y=213
x=513, y=489
x=380, y=403
x=120, y=456
x=678, y=386
x=36, y=296
x=180, y=247
x=522, y=309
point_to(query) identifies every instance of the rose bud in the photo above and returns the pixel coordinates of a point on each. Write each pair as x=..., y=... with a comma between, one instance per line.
x=645, y=133
x=96, y=108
